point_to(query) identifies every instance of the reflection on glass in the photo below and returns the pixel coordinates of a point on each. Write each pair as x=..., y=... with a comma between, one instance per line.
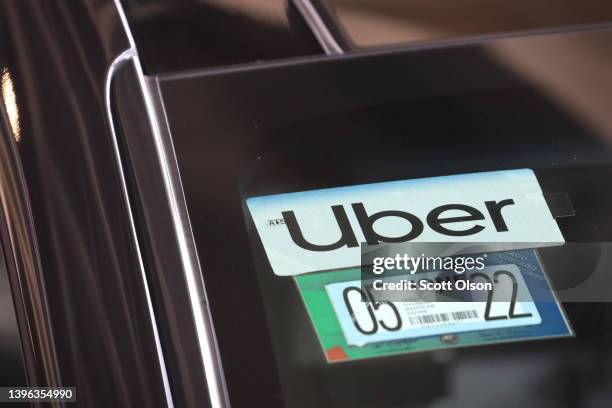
x=268, y=11
x=581, y=84
x=383, y=22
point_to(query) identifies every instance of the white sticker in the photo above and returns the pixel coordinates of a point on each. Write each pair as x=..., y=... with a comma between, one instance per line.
x=367, y=322
x=322, y=229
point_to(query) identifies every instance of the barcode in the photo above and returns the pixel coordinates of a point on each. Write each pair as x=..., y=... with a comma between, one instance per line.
x=443, y=317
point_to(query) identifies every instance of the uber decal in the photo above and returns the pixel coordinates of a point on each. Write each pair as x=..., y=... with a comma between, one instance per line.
x=320, y=230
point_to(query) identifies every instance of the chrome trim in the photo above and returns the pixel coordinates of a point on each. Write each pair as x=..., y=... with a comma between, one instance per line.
x=318, y=27
x=197, y=291
x=123, y=58
x=207, y=342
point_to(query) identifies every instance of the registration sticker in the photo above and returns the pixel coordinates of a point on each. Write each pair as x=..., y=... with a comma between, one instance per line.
x=365, y=322
x=349, y=328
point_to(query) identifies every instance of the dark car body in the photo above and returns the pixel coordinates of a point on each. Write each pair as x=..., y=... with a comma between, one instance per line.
x=136, y=130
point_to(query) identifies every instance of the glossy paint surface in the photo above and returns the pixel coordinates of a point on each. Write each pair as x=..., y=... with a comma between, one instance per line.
x=83, y=316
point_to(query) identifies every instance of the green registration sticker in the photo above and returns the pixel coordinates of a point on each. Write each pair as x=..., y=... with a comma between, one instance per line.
x=329, y=331
x=456, y=329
